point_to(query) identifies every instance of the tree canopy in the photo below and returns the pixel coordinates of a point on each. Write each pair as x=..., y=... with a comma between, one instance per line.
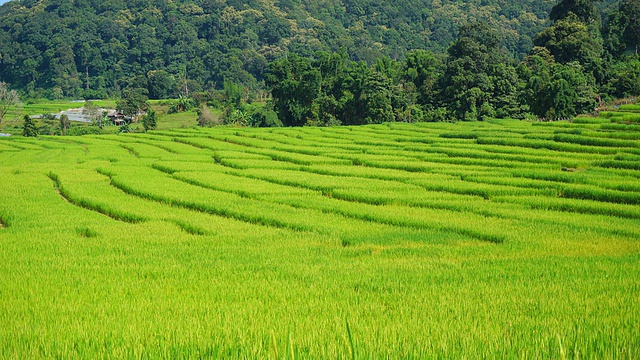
x=91, y=48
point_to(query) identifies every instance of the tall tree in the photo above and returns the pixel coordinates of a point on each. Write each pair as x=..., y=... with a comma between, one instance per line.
x=631, y=11
x=568, y=39
x=423, y=69
x=294, y=85
x=133, y=101
x=614, y=43
x=474, y=65
x=29, y=128
x=149, y=121
x=585, y=10
x=553, y=90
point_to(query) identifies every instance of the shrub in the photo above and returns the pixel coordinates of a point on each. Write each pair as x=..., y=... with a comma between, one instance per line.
x=149, y=121
x=206, y=119
x=265, y=118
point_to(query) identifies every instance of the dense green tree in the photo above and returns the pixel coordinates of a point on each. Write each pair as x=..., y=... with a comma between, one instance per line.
x=149, y=121
x=351, y=102
x=613, y=35
x=556, y=91
x=161, y=84
x=569, y=39
x=474, y=68
x=294, y=85
x=377, y=99
x=29, y=128
x=584, y=10
x=423, y=69
x=233, y=94
x=133, y=101
x=265, y=118
x=327, y=107
x=536, y=70
x=631, y=12
x=624, y=80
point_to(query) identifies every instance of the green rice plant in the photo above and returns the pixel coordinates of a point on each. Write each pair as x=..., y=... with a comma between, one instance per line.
x=552, y=175
x=206, y=200
x=612, y=135
x=258, y=164
x=86, y=232
x=565, y=125
x=630, y=107
x=21, y=144
x=551, y=145
x=610, y=114
x=591, y=120
x=619, y=164
x=574, y=205
x=242, y=186
x=484, y=190
x=469, y=136
x=503, y=180
x=427, y=255
x=584, y=140
x=207, y=144
x=171, y=167
x=588, y=192
x=469, y=156
x=625, y=127
x=629, y=118
x=6, y=146
x=91, y=205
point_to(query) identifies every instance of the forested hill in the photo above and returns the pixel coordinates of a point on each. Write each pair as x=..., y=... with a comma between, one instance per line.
x=93, y=48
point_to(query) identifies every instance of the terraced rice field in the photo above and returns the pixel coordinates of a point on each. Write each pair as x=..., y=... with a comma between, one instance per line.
x=495, y=239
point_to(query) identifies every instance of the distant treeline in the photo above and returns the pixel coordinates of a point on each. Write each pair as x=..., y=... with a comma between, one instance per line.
x=96, y=48
x=575, y=65
x=331, y=61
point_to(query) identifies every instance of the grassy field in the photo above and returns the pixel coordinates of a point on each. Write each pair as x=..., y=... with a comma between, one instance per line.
x=499, y=239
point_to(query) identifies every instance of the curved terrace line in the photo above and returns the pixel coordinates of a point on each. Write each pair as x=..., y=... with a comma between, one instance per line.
x=362, y=217
x=87, y=205
x=255, y=220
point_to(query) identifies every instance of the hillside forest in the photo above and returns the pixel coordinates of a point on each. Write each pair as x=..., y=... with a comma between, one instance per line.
x=330, y=62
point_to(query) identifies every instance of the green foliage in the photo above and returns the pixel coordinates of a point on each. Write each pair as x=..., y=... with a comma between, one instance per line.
x=133, y=102
x=90, y=49
x=569, y=39
x=478, y=78
x=624, y=80
x=265, y=118
x=79, y=130
x=161, y=84
x=325, y=63
x=630, y=11
x=294, y=84
x=183, y=104
x=29, y=128
x=584, y=10
x=149, y=121
x=555, y=91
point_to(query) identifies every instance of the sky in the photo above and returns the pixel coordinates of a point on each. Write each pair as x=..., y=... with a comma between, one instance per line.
x=3, y=1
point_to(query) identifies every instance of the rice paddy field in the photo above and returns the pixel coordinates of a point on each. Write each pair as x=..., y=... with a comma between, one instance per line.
x=499, y=239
